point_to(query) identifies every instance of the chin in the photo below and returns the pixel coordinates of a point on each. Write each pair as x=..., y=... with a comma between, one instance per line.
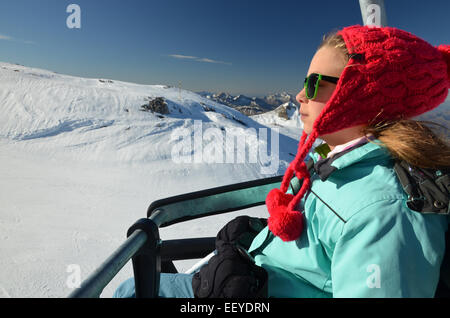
x=307, y=129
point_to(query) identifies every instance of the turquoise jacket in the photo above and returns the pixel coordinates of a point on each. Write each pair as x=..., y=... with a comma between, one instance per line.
x=360, y=238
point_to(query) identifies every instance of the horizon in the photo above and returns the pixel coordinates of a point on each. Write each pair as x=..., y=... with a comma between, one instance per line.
x=252, y=48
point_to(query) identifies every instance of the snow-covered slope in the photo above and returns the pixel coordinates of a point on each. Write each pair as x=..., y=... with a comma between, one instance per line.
x=285, y=117
x=96, y=119
x=101, y=120
x=80, y=162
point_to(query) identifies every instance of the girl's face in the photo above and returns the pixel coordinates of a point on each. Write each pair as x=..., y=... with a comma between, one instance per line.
x=327, y=61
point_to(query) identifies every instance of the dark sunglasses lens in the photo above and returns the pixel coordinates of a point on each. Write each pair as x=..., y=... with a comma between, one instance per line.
x=311, y=85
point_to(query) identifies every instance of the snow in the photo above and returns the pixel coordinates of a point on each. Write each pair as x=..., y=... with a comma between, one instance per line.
x=271, y=118
x=80, y=163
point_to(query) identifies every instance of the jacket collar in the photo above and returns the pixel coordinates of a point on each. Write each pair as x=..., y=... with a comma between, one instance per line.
x=360, y=152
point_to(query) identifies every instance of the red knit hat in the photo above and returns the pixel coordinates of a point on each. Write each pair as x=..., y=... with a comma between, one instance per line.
x=391, y=74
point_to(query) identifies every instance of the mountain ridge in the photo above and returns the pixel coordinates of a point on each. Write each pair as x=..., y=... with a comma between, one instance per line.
x=250, y=105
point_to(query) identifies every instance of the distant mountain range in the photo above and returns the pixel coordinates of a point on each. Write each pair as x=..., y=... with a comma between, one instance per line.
x=283, y=103
x=250, y=105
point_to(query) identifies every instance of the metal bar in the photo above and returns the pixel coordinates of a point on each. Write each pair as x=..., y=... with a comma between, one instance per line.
x=373, y=12
x=191, y=248
x=211, y=202
x=146, y=261
x=93, y=286
x=200, y=263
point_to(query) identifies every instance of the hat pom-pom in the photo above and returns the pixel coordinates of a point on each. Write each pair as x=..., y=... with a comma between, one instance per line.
x=283, y=222
x=445, y=50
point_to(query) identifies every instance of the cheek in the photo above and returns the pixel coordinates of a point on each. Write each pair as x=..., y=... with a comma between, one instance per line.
x=315, y=110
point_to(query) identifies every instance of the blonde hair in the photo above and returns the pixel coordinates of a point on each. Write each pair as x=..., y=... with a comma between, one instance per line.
x=405, y=139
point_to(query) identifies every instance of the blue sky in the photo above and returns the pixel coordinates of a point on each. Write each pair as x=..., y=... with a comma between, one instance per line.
x=253, y=47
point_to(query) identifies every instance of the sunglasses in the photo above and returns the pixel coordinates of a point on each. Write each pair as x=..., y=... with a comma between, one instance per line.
x=311, y=84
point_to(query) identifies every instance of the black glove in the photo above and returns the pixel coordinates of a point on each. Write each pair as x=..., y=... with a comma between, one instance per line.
x=232, y=273
x=241, y=231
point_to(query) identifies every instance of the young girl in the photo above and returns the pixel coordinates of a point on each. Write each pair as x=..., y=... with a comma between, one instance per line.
x=356, y=236
x=348, y=232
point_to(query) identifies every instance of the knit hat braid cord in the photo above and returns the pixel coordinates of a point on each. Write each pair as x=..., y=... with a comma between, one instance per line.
x=284, y=221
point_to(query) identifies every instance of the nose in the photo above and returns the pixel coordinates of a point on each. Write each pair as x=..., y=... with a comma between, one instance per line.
x=301, y=97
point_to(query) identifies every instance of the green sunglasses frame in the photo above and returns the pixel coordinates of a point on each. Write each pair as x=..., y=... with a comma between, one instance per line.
x=320, y=77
